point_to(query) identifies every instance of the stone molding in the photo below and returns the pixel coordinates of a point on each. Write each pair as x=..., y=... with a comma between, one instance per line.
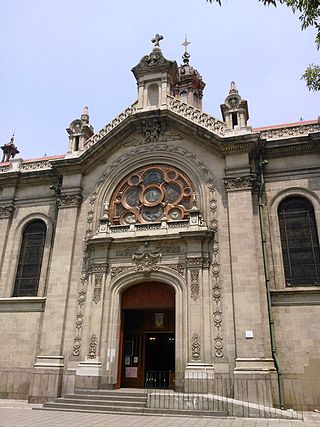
x=110, y=126
x=69, y=200
x=196, y=116
x=22, y=304
x=6, y=211
x=290, y=131
x=236, y=183
x=34, y=166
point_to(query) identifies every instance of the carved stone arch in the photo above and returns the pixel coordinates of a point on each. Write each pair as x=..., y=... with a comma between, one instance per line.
x=15, y=250
x=126, y=280
x=162, y=153
x=275, y=240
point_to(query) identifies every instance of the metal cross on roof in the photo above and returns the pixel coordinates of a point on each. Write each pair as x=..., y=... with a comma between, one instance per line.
x=156, y=39
x=186, y=44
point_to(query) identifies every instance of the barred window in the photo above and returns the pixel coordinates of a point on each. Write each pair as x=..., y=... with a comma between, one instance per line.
x=299, y=242
x=30, y=260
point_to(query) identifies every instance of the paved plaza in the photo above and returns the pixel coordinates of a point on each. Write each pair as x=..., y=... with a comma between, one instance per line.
x=18, y=413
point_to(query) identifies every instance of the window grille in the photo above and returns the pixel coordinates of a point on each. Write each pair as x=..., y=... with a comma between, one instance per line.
x=30, y=260
x=299, y=242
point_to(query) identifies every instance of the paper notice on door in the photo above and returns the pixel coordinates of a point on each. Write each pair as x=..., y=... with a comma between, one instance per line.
x=131, y=372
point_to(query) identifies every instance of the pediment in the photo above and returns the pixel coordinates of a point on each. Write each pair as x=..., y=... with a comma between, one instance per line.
x=172, y=122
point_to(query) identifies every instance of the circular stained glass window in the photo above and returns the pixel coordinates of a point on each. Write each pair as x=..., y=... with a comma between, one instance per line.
x=173, y=193
x=149, y=194
x=175, y=214
x=152, y=214
x=152, y=195
x=132, y=196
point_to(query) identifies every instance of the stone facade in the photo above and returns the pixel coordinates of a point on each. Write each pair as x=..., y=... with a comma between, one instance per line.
x=69, y=334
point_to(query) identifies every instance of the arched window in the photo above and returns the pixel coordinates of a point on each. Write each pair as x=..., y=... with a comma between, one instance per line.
x=299, y=242
x=30, y=259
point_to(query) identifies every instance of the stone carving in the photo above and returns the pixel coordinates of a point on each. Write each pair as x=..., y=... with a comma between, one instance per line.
x=217, y=295
x=163, y=247
x=194, y=262
x=147, y=261
x=239, y=182
x=69, y=200
x=156, y=39
x=115, y=271
x=163, y=137
x=6, y=211
x=90, y=215
x=92, y=353
x=179, y=268
x=196, y=348
x=215, y=269
x=81, y=301
x=194, y=285
x=196, y=116
x=6, y=168
x=290, y=131
x=97, y=288
x=33, y=166
x=100, y=267
x=151, y=130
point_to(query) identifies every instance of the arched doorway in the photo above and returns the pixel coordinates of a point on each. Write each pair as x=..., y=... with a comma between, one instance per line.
x=147, y=342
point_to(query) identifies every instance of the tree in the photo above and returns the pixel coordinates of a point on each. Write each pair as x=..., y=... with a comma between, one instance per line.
x=310, y=17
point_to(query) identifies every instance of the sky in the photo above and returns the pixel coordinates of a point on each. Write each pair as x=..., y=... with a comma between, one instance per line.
x=59, y=55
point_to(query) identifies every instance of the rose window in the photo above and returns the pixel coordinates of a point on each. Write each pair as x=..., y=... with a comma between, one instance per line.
x=151, y=193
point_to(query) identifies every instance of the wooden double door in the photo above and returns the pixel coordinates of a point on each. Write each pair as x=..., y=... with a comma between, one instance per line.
x=147, y=345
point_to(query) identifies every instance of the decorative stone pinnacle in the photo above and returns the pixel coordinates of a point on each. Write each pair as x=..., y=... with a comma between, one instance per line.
x=85, y=115
x=156, y=40
x=233, y=88
x=9, y=150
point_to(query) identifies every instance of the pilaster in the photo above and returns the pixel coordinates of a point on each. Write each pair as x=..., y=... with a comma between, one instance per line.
x=51, y=340
x=251, y=358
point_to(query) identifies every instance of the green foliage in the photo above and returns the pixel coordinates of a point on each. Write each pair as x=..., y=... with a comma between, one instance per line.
x=312, y=77
x=310, y=17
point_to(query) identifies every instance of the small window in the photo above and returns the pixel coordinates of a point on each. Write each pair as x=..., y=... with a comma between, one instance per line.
x=234, y=120
x=30, y=260
x=153, y=95
x=299, y=242
x=184, y=96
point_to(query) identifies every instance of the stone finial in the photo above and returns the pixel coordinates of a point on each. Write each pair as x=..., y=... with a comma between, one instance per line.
x=156, y=40
x=233, y=88
x=85, y=115
x=9, y=150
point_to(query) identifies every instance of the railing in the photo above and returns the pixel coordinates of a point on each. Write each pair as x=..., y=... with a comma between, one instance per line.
x=203, y=391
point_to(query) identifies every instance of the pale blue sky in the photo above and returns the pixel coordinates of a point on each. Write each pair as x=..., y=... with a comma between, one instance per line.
x=57, y=56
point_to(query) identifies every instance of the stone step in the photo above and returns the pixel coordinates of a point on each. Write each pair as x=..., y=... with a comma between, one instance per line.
x=124, y=398
x=119, y=392
x=54, y=406
x=90, y=400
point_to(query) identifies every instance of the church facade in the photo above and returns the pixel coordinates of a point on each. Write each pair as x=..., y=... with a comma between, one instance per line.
x=168, y=241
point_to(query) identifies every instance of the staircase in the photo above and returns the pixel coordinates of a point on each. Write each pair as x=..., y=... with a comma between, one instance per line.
x=122, y=401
